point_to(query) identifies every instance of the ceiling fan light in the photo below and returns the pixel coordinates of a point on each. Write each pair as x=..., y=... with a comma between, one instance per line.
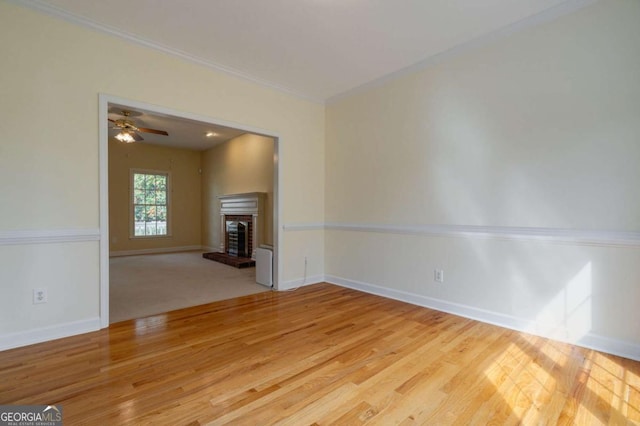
x=125, y=137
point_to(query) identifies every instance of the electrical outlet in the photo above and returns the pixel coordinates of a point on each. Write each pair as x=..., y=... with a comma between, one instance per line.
x=40, y=295
x=438, y=275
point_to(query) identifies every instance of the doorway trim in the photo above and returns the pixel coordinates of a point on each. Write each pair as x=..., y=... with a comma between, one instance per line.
x=103, y=127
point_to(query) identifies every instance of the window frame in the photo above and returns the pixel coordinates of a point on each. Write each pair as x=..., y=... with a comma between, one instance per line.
x=132, y=205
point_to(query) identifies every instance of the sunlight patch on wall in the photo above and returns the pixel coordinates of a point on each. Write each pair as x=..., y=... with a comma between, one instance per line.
x=568, y=316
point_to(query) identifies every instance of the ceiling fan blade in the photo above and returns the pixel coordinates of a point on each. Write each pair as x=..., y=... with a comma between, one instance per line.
x=157, y=132
x=136, y=137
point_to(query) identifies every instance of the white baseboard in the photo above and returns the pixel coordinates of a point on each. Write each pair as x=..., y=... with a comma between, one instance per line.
x=301, y=282
x=153, y=251
x=617, y=347
x=44, y=334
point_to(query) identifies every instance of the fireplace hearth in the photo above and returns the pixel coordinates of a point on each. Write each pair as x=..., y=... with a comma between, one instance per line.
x=235, y=261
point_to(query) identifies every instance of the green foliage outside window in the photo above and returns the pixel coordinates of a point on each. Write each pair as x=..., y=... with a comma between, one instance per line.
x=150, y=204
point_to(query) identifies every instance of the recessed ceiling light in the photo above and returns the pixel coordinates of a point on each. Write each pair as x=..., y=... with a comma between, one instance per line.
x=210, y=134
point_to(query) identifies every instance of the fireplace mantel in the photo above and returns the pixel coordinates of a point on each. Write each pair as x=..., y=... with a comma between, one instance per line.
x=251, y=203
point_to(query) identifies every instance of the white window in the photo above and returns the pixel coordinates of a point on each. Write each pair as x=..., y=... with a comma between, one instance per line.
x=149, y=203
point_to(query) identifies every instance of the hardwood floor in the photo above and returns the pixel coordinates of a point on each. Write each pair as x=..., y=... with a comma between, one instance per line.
x=319, y=355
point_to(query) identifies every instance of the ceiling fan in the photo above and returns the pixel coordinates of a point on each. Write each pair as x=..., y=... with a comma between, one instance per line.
x=129, y=131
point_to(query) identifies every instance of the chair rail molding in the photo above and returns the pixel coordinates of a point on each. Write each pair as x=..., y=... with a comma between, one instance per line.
x=47, y=236
x=559, y=235
x=315, y=226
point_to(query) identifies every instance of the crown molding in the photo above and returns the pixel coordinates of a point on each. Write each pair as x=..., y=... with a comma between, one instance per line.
x=547, y=15
x=73, y=18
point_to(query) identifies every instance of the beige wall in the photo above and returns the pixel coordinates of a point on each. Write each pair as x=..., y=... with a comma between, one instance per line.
x=538, y=130
x=241, y=165
x=535, y=130
x=185, y=202
x=52, y=74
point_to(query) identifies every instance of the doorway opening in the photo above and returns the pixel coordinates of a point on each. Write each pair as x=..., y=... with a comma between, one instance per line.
x=147, y=121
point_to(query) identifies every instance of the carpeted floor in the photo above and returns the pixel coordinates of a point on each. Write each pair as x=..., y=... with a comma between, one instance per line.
x=140, y=286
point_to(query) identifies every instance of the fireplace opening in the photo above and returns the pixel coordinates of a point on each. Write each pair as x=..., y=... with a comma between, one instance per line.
x=247, y=210
x=237, y=238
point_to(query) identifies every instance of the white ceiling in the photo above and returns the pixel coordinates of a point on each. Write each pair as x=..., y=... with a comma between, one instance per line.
x=183, y=133
x=317, y=49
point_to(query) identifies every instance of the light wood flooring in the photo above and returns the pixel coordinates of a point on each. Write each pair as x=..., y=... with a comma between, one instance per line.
x=319, y=355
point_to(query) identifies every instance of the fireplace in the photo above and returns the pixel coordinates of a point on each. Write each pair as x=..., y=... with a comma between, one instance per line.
x=241, y=229
x=247, y=209
x=238, y=238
